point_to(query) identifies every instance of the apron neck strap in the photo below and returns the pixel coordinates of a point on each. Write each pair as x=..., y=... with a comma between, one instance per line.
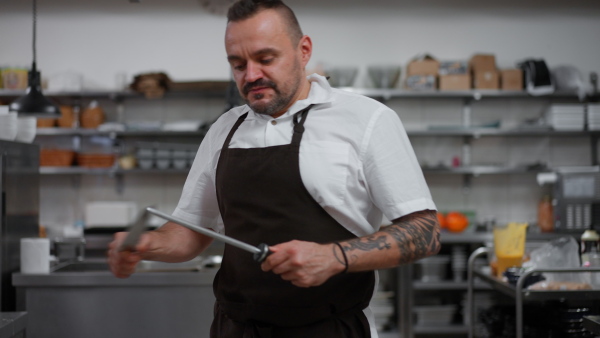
x=299, y=119
x=233, y=129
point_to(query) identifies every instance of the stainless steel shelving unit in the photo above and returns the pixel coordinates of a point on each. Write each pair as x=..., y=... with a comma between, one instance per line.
x=521, y=294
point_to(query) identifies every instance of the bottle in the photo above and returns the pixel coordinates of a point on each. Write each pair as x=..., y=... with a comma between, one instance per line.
x=545, y=214
x=590, y=243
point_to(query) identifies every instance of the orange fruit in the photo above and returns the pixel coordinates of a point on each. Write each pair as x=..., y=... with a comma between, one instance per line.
x=441, y=219
x=456, y=221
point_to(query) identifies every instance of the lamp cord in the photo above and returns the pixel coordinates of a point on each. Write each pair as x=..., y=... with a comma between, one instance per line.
x=34, y=29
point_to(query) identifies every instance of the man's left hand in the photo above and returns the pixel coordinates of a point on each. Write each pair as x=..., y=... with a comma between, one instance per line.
x=304, y=264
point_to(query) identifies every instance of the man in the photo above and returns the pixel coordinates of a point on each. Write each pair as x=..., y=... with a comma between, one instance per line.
x=307, y=169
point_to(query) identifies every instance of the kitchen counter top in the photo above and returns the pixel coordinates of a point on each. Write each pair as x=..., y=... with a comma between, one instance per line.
x=85, y=300
x=12, y=324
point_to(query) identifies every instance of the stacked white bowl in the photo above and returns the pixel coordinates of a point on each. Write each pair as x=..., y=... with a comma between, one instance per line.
x=433, y=269
x=8, y=124
x=26, y=128
x=459, y=262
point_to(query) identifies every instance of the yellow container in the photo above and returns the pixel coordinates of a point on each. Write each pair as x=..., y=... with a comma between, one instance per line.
x=509, y=246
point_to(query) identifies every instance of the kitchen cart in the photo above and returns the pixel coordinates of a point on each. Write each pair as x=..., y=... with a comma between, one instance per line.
x=519, y=292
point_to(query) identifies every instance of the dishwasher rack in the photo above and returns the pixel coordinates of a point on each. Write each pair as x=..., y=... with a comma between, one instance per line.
x=518, y=292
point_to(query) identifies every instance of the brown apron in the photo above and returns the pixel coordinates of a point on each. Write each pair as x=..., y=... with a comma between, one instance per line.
x=262, y=200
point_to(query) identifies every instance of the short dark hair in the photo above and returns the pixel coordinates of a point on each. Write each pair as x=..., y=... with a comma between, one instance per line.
x=245, y=9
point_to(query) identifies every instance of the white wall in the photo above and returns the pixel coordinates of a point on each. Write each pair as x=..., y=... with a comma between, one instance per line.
x=103, y=38
x=100, y=39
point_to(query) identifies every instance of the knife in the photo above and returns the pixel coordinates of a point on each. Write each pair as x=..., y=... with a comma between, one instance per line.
x=259, y=253
x=135, y=231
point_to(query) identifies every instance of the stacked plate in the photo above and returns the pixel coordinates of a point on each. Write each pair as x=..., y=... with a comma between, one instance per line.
x=593, y=116
x=459, y=262
x=26, y=129
x=568, y=117
x=8, y=125
x=433, y=269
x=435, y=315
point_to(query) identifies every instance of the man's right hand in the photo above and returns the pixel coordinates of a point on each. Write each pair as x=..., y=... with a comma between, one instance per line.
x=123, y=263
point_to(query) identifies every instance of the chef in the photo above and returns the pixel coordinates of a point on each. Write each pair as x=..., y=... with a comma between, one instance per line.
x=308, y=169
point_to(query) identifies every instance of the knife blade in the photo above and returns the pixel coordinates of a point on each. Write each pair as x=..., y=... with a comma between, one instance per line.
x=259, y=253
x=135, y=231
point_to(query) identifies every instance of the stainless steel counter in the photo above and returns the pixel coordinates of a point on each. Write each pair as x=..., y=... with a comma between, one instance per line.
x=85, y=300
x=12, y=324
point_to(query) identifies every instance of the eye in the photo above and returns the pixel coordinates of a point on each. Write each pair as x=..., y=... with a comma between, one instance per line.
x=267, y=61
x=238, y=66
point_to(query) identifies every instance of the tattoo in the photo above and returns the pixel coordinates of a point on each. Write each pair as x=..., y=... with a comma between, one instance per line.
x=369, y=243
x=417, y=235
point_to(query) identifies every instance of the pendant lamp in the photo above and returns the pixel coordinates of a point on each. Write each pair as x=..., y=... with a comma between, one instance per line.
x=34, y=103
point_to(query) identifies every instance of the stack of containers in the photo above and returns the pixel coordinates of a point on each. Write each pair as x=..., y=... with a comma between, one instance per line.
x=8, y=124
x=433, y=269
x=593, y=116
x=566, y=117
x=459, y=262
x=157, y=155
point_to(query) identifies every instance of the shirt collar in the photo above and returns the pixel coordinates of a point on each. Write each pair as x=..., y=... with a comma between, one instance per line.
x=320, y=92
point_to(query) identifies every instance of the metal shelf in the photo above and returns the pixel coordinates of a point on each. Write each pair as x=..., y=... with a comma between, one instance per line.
x=129, y=133
x=448, y=285
x=521, y=294
x=106, y=171
x=479, y=132
x=371, y=92
x=441, y=329
x=115, y=94
x=529, y=295
x=461, y=94
x=484, y=169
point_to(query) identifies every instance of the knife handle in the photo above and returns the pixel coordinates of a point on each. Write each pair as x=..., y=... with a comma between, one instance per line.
x=264, y=252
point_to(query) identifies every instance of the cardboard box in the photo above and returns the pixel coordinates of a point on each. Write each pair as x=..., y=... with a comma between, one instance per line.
x=511, y=79
x=455, y=82
x=486, y=80
x=424, y=65
x=421, y=82
x=454, y=67
x=483, y=63
x=14, y=78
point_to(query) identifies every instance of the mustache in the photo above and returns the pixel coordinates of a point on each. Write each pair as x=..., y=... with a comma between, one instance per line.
x=258, y=83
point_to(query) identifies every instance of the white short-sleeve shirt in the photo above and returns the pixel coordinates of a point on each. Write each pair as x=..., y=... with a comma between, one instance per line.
x=355, y=160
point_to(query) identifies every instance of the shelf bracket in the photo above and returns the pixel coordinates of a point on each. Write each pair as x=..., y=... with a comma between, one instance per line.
x=467, y=113
x=467, y=183
x=594, y=148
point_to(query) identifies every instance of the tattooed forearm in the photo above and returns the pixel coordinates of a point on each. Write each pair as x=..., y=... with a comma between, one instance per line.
x=417, y=235
x=409, y=238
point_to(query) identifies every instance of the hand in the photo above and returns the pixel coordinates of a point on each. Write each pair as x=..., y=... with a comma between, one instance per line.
x=304, y=264
x=122, y=263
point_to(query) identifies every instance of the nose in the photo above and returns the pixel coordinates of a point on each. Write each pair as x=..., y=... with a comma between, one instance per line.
x=253, y=72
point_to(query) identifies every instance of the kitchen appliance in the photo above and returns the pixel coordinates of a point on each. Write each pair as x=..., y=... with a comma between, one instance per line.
x=577, y=199
x=538, y=79
x=19, y=208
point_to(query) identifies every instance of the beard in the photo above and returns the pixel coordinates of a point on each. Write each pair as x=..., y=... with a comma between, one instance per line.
x=280, y=100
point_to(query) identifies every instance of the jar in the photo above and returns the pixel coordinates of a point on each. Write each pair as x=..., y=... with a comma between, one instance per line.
x=545, y=215
x=590, y=243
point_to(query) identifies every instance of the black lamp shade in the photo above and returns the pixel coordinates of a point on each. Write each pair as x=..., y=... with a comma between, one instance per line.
x=34, y=103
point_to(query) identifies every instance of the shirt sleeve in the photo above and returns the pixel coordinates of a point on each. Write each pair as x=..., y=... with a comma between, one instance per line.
x=198, y=202
x=393, y=174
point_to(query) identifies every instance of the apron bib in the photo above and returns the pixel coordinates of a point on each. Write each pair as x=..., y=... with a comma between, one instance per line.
x=262, y=199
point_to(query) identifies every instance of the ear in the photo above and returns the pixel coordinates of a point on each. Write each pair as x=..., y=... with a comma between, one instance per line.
x=305, y=49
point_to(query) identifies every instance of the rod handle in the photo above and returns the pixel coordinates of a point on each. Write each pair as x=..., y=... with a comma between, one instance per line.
x=262, y=255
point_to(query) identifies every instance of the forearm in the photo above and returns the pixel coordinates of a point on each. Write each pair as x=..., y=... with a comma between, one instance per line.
x=408, y=239
x=174, y=243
